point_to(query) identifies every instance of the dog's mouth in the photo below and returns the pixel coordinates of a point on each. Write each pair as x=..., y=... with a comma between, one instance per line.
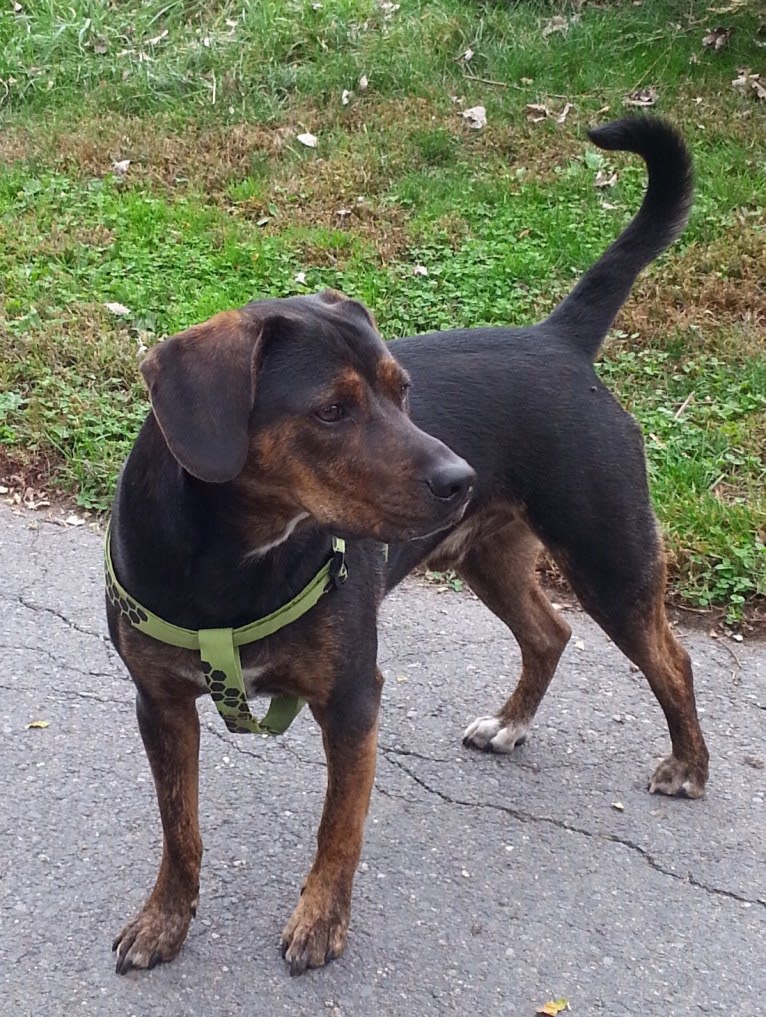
x=405, y=529
x=448, y=523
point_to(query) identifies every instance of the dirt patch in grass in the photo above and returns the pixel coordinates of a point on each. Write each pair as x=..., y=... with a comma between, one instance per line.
x=26, y=477
x=82, y=339
x=160, y=154
x=712, y=288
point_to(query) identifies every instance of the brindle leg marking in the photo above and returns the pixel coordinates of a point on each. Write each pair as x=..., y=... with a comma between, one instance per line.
x=170, y=731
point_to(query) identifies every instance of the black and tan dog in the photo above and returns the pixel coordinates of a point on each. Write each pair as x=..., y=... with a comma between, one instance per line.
x=282, y=425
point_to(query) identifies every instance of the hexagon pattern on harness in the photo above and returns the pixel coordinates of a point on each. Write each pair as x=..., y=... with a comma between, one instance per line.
x=127, y=607
x=230, y=701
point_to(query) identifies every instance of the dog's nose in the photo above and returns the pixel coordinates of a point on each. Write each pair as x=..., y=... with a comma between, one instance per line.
x=452, y=481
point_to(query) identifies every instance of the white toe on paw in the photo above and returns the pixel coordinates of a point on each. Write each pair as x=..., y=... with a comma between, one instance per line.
x=508, y=737
x=490, y=733
x=481, y=732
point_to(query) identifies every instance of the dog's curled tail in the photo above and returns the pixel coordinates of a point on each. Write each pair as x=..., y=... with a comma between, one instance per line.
x=586, y=314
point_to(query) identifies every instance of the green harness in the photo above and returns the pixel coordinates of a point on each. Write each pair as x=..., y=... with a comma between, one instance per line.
x=219, y=648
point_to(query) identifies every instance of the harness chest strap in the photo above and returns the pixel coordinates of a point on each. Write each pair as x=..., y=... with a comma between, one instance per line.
x=219, y=648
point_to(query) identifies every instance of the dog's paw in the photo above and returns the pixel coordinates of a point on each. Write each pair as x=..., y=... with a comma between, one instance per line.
x=313, y=937
x=491, y=735
x=675, y=777
x=152, y=937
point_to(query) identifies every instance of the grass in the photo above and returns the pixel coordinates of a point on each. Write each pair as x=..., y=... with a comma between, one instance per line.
x=221, y=204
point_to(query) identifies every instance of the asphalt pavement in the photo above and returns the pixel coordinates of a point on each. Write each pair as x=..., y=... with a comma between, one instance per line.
x=487, y=884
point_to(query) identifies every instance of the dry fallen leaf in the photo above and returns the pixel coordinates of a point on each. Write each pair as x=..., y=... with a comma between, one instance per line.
x=345, y=97
x=119, y=309
x=750, y=83
x=605, y=179
x=121, y=167
x=37, y=725
x=420, y=270
x=730, y=8
x=642, y=97
x=158, y=38
x=475, y=117
x=564, y=113
x=536, y=112
x=717, y=38
x=553, y=1008
x=308, y=139
x=556, y=24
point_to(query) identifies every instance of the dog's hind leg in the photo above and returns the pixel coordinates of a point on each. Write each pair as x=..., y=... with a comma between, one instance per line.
x=668, y=669
x=500, y=569
x=170, y=731
x=634, y=616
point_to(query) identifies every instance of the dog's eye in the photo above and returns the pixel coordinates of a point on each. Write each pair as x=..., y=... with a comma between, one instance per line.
x=331, y=414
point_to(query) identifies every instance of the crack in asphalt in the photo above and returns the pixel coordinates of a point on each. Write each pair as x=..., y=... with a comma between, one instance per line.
x=63, y=665
x=529, y=817
x=73, y=694
x=43, y=609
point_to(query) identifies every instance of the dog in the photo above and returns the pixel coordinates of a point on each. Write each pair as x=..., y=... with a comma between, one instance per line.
x=290, y=449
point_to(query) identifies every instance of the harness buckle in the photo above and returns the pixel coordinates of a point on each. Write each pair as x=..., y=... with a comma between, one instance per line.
x=338, y=570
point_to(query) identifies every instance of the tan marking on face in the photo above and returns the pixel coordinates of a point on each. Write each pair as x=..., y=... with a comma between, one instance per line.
x=365, y=475
x=391, y=378
x=286, y=480
x=347, y=386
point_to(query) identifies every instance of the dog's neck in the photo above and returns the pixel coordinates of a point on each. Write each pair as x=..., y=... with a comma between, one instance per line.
x=200, y=555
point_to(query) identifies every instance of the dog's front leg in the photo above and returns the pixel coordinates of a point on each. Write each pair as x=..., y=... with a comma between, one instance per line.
x=316, y=932
x=170, y=730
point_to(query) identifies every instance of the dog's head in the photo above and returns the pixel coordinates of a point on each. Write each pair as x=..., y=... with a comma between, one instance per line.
x=298, y=402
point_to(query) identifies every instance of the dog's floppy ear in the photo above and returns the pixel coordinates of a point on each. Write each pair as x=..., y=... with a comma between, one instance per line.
x=201, y=384
x=338, y=299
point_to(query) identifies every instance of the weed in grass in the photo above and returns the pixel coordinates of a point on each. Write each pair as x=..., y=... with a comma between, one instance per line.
x=445, y=581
